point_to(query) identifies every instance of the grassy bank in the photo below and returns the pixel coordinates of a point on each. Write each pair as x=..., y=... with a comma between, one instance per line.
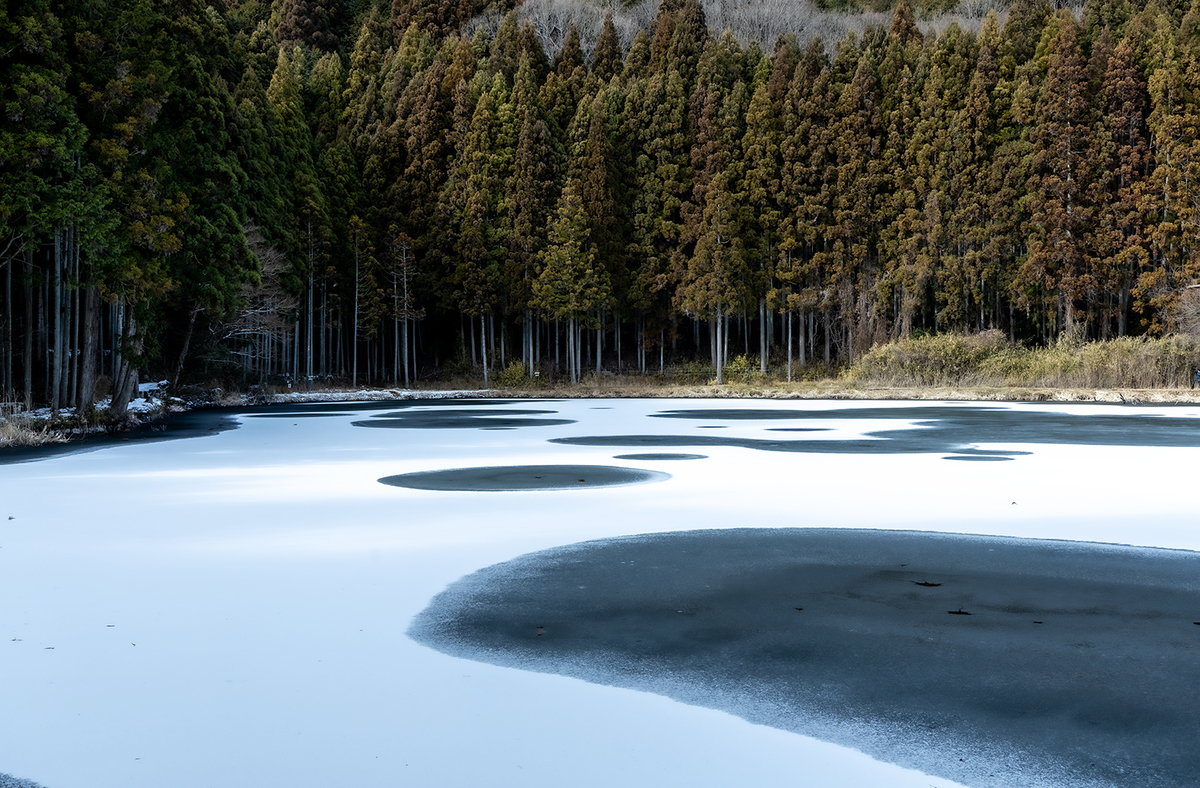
x=937, y=367
x=22, y=431
x=989, y=360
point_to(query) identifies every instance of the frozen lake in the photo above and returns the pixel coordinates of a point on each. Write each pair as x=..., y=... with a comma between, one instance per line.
x=234, y=607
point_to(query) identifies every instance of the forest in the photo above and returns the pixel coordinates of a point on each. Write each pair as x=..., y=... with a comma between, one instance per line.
x=380, y=191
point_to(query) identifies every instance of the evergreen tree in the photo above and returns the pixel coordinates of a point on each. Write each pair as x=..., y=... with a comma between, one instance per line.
x=853, y=255
x=1174, y=122
x=1123, y=159
x=307, y=23
x=571, y=286
x=606, y=57
x=1059, y=212
x=530, y=194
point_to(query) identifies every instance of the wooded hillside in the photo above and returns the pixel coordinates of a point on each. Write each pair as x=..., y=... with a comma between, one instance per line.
x=376, y=189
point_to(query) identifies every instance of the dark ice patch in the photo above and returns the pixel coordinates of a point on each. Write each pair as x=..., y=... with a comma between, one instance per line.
x=369, y=405
x=462, y=419
x=844, y=635
x=797, y=429
x=524, y=477
x=940, y=430
x=661, y=456
x=982, y=458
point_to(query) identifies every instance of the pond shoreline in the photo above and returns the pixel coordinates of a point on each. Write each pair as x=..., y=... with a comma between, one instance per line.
x=620, y=388
x=164, y=423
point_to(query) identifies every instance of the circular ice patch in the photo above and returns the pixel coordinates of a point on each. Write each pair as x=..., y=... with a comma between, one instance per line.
x=524, y=477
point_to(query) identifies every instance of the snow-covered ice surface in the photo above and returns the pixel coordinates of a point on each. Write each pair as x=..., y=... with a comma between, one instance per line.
x=232, y=609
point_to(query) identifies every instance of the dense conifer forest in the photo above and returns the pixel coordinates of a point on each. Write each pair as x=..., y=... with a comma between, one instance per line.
x=374, y=190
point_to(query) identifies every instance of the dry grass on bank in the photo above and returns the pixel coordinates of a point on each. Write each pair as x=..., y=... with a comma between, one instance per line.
x=989, y=360
x=983, y=367
x=980, y=367
x=19, y=431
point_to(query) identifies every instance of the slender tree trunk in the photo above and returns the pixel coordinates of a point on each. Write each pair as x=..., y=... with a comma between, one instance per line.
x=787, y=329
x=713, y=352
x=483, y=348
x=57, y=353
x=527, y=345
x=7, y=386
x=804, y=321
x=72, y=321
x=721, y=325
x=27, y=357
x=308, y=325
x=617, y=337
x=89, y=354
x=827, y=333
x=725, y=340
x=404, y=350
x=396, y=351
x=763, y=330
x=354, y=332
x=187, y=343
x=126, y=383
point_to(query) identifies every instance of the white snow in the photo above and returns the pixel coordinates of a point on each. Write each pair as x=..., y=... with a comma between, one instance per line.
x=230, y=610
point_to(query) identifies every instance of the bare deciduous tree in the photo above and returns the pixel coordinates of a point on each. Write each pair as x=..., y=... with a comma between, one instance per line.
x=1187, y=311
x=763, y=21
x=262, y=326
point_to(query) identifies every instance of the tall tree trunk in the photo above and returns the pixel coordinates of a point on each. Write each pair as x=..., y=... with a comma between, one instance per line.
x=617, y=337
x=89, y=354
x=787, y=329
x=569, y=341
x=27, y=356
x=125, y=386
x=805, y=331
x=827, y=338
x=404, y=350
x=763, y=330
x=56, y=366
x=527, y=347
x=396, y=353
x=308, y=323
x=483, y=348
x=187, y=343
x=721, y=325
x=7, y=385
x=73, y=324
x=354, y=331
